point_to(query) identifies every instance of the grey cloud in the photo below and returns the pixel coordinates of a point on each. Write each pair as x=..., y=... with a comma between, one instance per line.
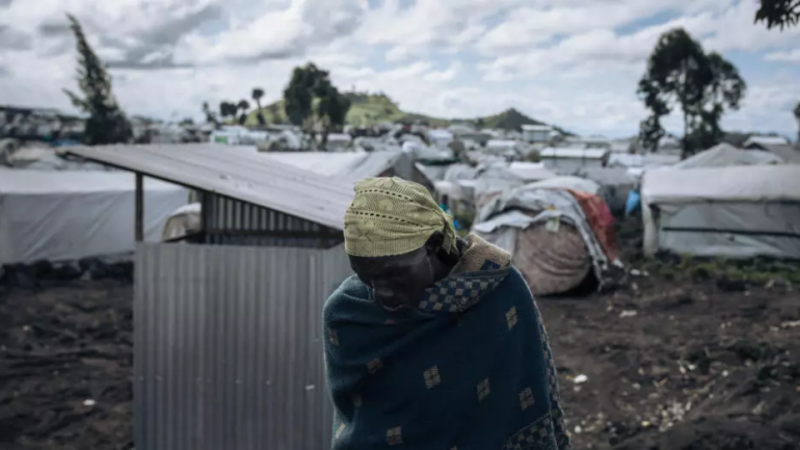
x=4, y=72
x=329, y=21
x=161, y=38
x=14, y=40
x=5, y=3
x=54, y=29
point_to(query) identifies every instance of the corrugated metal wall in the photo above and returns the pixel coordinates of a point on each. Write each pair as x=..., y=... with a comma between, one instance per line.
x=229, y=221
x=228, y=351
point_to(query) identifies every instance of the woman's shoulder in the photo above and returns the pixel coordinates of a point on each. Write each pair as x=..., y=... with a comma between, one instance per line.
x=350, y=289
x=515, y=283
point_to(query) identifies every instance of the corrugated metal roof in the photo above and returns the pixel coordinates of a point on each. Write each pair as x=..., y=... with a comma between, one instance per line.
x=349, y=166
x=242, y=175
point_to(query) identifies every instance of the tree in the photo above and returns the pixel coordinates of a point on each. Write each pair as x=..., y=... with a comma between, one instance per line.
x=244, y=105
x=107, y=123
x=778, y=13
x=210, y=117
x=227, y=109
x=311, y=101
x=257, y=94
x=681, y=75
x=797, y=117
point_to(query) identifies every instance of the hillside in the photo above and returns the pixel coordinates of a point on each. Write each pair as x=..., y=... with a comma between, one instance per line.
x=370, y=109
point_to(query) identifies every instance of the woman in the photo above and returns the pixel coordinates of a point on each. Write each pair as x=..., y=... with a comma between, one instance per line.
x=436, y=342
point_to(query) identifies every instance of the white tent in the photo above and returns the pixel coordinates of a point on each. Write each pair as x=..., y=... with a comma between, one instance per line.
x=739, y=212
x=724, y=155
x=68, y=215
x=568, y=182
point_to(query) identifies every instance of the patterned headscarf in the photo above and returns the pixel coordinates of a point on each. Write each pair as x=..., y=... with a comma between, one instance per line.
x=392, y=216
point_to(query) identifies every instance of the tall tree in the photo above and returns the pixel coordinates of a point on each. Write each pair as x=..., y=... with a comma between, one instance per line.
x=107, y=123
x=257, y=94
x=227, y=109
x=244, y=106
x=681, y=75
x=311, y=101
x=797, y=117
x=778, y=13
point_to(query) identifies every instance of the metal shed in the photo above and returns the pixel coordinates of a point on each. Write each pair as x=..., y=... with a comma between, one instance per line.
x=247, y=199
x=228, y=336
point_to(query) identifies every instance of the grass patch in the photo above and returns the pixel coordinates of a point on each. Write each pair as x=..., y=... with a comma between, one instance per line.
x=752, y=272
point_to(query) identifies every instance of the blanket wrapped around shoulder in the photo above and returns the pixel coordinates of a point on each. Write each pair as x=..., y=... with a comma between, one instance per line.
x=469, y=368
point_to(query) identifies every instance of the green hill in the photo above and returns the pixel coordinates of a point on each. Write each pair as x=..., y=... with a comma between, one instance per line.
x=370, y=109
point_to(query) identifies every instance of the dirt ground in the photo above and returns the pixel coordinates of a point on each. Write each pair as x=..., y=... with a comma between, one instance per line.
x=65, y=366
x=657, y=365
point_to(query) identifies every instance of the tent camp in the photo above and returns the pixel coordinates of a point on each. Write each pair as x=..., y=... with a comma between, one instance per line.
x=738, y=212
x=68, y=215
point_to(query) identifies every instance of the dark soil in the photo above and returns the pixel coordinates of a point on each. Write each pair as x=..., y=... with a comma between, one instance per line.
x=65, y=367
x=668, y=365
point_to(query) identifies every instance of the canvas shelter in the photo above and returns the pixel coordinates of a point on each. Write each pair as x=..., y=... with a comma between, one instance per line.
x=738, y=212
x=568, y=161
x=615, y=185
x=556, y=237
x=68, y=215
x=725, y=155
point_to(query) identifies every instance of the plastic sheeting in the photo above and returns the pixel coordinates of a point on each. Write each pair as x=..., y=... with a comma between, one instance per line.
x=574, y=183
x=737, y=212
x=500, y=220
x=64, y=216
x=742, y=183
x=724, y=155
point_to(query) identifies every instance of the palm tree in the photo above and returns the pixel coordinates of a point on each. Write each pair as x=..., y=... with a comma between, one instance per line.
x=257, y=94
x=244, y=105
x=210, y=118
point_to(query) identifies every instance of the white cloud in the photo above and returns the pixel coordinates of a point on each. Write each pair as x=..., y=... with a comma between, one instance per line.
x=789, y=56
x=574, y=63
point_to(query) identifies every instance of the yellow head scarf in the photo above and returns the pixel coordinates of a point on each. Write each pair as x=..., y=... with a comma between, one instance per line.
x=392, y=216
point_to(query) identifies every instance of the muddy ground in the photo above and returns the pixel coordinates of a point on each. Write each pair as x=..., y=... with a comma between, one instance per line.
x=661, y=364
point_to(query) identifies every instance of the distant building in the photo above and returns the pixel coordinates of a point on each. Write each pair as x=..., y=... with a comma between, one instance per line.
x=536, y=133
x=569, y=161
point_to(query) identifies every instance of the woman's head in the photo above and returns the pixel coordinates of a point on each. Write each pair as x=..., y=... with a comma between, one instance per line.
x=398, y=239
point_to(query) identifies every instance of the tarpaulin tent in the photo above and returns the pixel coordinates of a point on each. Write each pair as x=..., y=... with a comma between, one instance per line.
x=68, y=215
x=739, y=212
x=556, y=236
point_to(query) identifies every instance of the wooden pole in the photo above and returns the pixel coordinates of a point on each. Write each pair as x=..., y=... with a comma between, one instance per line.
x=139, y=215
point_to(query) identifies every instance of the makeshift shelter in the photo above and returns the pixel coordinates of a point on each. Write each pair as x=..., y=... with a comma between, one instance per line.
x=737, y=212
x=568, y=182
x=69, y=215
x=615, y=184
x=184, y=221
x=556, y=236
x=242, y=301
x=724, y=155
x=530, y=172
x=568, y=161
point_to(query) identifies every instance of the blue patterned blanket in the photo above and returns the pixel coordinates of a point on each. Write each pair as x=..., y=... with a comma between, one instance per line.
x=469, y=369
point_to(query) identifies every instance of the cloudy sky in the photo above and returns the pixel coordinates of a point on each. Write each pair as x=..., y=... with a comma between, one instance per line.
x=573, y=63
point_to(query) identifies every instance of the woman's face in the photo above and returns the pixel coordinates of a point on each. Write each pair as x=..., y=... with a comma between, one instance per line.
x=398, y=281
